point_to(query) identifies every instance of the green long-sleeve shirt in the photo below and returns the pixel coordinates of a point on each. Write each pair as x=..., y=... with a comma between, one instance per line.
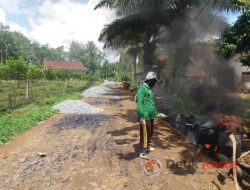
x=145, y=103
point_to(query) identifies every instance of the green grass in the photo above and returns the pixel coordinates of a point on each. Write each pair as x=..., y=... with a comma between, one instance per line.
x=13, y=125
x=12, y=95
x=14, y=122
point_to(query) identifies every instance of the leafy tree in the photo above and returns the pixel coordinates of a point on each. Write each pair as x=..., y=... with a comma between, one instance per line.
x=93, y=57
x=77, y=52
x=108, y=70
x=5, y=42
x=21, y=47
x=88, y=54
x=43, y=52
x=58, y=53
x=15, y=45
x=237, y=38
x=104, y=69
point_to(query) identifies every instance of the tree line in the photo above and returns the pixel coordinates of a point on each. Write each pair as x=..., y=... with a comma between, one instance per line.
x=18, y=69
x=14, y=45
x=17, y=48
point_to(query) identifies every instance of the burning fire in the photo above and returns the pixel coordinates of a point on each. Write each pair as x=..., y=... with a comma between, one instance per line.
x=230, y=122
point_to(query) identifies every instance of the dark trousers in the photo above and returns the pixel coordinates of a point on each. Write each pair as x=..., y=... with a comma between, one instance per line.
x=146, y=133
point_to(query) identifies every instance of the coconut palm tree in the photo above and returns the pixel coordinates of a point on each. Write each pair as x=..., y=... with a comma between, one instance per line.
x=146, y=22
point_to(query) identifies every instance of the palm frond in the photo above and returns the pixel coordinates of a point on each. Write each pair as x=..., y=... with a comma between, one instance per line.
x=140, y=16
x=129, y=3
x=131, y=29
x=229, y=5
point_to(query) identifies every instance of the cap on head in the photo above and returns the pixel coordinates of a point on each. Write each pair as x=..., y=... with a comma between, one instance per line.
x=151, y=75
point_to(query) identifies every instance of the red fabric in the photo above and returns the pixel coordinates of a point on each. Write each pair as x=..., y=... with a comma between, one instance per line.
x=229, y=121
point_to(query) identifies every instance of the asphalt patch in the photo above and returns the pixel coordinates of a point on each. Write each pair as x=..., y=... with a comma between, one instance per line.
x=81, y=121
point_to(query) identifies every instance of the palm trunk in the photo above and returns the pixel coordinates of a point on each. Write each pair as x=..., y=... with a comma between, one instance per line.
x=148, y=57
x=133, y=58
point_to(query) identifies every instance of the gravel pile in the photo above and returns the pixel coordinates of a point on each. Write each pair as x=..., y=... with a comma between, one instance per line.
x=81, y=107
x=111, y=84
x=102, y=89
x=77, y=106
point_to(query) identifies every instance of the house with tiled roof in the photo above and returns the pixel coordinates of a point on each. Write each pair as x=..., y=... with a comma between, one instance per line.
x=241, y=72
x=66, y=65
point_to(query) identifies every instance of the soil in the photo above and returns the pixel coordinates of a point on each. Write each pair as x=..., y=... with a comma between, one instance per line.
x=71, y=151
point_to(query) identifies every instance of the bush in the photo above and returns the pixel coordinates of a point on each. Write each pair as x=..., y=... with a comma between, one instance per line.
x=49, y=74
x=62, y=74
x=3, y=71
x=66, y=74
x=16, y=69
x=19, y=70
x=35, y=72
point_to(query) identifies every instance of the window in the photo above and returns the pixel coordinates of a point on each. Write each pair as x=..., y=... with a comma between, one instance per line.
x=245, y=77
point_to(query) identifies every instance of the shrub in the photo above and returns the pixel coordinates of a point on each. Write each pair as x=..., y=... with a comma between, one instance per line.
x=49, y=74
x=3, y=71
x=35, y=72
x=17, y=69
x=62, y=74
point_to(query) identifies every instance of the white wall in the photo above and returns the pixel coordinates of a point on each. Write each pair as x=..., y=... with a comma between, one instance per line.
x=238, y=68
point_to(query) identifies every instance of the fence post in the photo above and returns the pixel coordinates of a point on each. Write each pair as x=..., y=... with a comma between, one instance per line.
x=65, y=85
x=10, y=100
x=27, y=89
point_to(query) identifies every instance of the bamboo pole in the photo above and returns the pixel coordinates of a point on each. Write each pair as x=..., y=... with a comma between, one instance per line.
x=244, y=154
x=232, y=138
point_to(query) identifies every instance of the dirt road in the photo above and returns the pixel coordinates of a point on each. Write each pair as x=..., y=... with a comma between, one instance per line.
x=99, y=152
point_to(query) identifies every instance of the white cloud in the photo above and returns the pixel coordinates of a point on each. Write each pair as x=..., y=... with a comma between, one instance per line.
x=10, y=6
x=2, y=16
x=16, y=27
x=13, y=26
x=58, y=23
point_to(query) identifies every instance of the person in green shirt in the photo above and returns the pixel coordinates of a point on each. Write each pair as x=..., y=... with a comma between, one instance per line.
x=146, y=112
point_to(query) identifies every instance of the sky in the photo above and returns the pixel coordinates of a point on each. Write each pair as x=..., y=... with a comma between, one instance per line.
x=55, y=22
x=58, y=22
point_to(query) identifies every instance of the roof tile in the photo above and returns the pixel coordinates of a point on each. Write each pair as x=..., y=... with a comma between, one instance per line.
x=69, y=65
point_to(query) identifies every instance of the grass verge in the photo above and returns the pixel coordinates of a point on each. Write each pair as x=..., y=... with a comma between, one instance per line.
x=14, y=122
